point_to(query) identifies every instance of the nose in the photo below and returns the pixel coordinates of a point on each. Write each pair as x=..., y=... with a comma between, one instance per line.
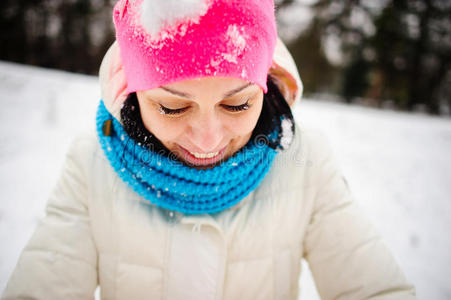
x=206, y=132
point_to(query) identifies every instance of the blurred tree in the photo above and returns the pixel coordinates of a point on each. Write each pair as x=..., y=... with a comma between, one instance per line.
x=314, y=68
x=413, y=50
x=395, y=50
x=331, y=20
x=71, y=35
x=74, y=37
x=391, y=52
x=355, y=81
x=13, y=30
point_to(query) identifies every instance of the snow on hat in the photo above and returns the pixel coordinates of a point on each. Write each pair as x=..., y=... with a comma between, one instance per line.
x=164, y=41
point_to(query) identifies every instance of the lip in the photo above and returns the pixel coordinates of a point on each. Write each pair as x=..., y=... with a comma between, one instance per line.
x=191, y=159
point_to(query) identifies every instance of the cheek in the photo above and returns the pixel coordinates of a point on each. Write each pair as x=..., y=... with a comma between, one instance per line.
x=245, y=124
x=163, y=129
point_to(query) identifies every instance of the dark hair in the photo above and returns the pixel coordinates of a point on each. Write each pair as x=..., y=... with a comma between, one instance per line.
x=275, y=107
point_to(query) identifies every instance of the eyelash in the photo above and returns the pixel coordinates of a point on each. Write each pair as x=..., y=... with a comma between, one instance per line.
x=232, y=108
x=237, y=108
x=167, y=111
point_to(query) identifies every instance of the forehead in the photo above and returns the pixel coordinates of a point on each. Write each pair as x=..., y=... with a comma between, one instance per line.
x=211, y=86
x=208, y=82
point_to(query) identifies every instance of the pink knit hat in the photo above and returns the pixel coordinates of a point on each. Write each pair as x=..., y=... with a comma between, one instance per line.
x=164, y=41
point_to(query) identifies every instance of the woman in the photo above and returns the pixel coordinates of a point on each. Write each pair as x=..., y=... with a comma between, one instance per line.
x=198, y=184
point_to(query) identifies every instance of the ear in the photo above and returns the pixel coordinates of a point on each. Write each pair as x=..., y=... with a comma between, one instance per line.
x=113, y=82
x=285, y=74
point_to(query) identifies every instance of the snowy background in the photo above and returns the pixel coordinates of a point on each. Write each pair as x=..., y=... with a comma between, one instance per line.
x=398, y=166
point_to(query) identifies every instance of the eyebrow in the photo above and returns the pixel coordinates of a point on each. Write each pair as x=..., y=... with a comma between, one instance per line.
x=188, y=96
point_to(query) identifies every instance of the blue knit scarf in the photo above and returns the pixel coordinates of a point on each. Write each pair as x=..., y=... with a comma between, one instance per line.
x=172, y=185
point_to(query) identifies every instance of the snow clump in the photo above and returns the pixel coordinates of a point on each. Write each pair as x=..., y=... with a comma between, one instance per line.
x=157, y=15
x=287, y=133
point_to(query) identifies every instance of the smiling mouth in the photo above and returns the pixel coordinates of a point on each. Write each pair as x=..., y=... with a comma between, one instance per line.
x=202, y=159
x=204, y=155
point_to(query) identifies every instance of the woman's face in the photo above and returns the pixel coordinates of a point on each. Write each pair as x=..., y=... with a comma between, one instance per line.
x=202, y=121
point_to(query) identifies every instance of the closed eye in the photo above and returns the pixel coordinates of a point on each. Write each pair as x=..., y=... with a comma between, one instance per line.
x=168, y=111
x=232, y=108
x=237, y=108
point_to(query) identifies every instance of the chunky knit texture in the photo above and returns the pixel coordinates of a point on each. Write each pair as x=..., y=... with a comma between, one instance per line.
x=169, y=184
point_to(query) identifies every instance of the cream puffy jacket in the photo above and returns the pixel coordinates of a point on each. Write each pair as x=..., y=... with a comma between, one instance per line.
x=97, y=231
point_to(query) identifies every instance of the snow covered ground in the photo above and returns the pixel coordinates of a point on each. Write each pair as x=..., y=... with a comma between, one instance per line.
x=398, y=166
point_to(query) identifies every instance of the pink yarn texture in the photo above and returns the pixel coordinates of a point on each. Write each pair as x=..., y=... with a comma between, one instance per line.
x=232, y=38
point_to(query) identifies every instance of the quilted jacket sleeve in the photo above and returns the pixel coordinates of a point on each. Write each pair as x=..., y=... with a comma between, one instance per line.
x=346, y=255
x=60, y=260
